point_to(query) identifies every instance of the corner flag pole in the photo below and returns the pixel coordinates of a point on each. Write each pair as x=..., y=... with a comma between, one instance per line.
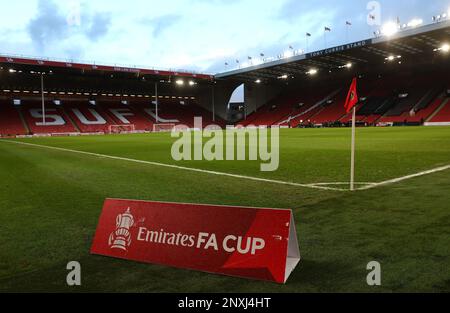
x=352, y=167
x=350, y=105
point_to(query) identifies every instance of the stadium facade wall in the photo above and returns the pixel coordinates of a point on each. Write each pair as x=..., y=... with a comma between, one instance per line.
x=256, y=96
x=222, y=92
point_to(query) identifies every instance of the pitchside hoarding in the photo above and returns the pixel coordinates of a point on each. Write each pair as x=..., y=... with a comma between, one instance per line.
x=245, y=242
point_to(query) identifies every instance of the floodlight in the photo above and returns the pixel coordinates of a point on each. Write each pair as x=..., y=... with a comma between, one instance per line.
x=288, y=54
x=444, y=48
x=258, y=81
x=415, y=22
x=393, y=57
x=179, y=82
x=389, y=29
x=258, y=61
x=348, y=65
x=312, y=71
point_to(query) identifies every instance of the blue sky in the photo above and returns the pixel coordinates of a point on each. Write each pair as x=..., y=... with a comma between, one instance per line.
x=198, y=35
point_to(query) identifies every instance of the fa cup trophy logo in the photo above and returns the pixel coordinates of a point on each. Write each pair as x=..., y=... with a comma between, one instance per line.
x=121, y=237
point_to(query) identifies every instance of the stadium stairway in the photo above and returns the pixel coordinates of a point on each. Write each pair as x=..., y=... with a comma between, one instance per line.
x=24, y=122
x=144, y=119
x=96, y=121
x=103, y=110
x=423, y=114
x=74, y=124
x=331, y=112
x=403, y=110
x=312, y=107
x=131, y=116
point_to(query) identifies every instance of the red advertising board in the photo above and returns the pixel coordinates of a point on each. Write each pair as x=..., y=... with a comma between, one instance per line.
x=245, y=242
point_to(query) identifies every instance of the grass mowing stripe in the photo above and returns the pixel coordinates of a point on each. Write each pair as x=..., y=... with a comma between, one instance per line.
x=176, y=167
x=321, y=186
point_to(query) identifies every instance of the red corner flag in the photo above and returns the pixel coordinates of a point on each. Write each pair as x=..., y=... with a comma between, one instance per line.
x=352, y=97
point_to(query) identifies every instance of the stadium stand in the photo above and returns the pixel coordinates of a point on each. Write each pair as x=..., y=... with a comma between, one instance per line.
x=384, y=100
x=10, y=121
x=76, y=116
x=126, y=114
x=401, y=81
x=333, y=109
x=88, y=118
x=314, y=105
x=56, y=121
x=292, y=108
x=443, y=116
x=177, y=112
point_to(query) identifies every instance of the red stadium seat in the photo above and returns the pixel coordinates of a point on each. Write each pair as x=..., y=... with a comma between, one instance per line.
x=56, y=122
x=10, y=122
x=443, y=116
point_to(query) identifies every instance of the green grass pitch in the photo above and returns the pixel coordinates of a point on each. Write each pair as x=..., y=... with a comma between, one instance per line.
x=50, y=202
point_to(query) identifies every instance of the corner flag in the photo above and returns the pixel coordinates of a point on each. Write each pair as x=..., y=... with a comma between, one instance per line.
x=352, y=97
x=350, y=104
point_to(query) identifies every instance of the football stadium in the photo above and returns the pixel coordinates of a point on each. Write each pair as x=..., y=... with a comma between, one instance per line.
x=73, y=134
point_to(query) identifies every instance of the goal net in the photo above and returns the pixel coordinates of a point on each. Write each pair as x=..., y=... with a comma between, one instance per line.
x=120, y=129
x=166, y=127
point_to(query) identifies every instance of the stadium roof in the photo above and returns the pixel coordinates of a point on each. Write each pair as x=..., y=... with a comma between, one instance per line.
x=415, y=44
x=68, y=67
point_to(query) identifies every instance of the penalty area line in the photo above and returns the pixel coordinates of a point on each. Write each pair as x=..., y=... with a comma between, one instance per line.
x=105, y=156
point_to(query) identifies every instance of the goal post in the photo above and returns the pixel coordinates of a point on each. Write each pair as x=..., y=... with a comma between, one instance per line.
x=164, y=127
x=121, y=129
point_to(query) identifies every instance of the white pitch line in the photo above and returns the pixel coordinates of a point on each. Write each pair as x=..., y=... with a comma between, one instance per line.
x=339, y=183
x=400, y=179
x=175, y=166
